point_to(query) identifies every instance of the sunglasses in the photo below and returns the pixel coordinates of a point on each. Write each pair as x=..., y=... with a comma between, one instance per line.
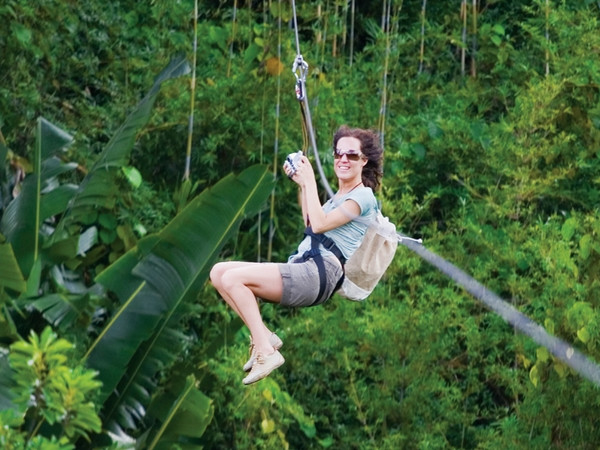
x=351, y=155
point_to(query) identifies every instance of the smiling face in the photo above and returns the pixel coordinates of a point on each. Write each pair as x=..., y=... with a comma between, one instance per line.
x=348, y=170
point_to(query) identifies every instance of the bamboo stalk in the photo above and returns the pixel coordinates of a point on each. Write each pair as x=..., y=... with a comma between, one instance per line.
x=250, y=20
x=233, y=30
x=260, y=159
x=383, y=105
x=547, y=38
x=344, y=27
x=319, y=33
x=335, y=37
x=276, y=143
x=390, y=78
x=352, y=15
x=422, y=50
x=474, y=41
x=325, y=30
x=463, y=50
x=188, y=154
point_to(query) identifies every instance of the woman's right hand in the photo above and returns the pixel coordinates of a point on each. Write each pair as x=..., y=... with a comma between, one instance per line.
x=304, y=173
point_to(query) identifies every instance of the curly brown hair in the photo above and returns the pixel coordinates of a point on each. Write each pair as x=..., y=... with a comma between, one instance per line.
x=370, y=147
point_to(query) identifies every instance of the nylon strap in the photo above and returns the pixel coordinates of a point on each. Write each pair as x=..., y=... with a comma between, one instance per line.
x=315, y=254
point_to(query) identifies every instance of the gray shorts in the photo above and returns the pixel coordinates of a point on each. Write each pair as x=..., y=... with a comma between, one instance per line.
x=301, y=281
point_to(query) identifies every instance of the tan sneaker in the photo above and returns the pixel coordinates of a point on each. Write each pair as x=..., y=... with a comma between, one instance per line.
x=263, y=366
x=273, y=340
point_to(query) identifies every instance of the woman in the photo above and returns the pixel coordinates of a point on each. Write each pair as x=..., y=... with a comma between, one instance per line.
x=343, y=219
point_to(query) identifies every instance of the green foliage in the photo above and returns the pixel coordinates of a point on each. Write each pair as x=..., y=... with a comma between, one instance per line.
x=496, y=168
x=270, y=414
x=69, y=303
x=49, y=390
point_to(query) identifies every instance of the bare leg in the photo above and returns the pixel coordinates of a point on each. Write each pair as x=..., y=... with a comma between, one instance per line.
x=216, y=275
x=239, y=284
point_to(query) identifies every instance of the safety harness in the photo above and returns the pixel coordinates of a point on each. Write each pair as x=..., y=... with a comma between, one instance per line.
x=314, y=253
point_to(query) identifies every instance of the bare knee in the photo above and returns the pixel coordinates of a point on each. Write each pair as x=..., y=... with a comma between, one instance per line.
x=216, y=274
x=222, y=274
x=228, y=280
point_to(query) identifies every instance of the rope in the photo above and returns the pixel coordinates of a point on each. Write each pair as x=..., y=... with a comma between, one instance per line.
x=300, y=70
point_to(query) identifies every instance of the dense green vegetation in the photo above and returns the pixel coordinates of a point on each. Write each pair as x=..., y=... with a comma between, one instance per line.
x=110, y=335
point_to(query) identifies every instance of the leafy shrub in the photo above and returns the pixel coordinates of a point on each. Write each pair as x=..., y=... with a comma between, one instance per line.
x=49, y=390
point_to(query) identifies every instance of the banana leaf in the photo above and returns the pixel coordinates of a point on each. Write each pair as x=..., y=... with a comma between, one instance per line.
x=22, y=218
x=154, y=281
x=62, y=310
x=99, y=187
x=183, y=413
x=10, y=275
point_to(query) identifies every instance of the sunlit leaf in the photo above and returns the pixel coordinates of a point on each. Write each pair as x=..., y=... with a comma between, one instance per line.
x=542, y=354
x=133, y=176
x=583, y=334
x=534, y=375
x=568, y=229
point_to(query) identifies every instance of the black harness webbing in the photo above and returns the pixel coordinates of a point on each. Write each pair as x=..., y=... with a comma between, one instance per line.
x=315, y=254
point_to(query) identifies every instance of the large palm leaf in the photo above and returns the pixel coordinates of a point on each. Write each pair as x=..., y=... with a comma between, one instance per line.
x=154, y=282
x=182, y=413
x=10, y=275
x=23, y=216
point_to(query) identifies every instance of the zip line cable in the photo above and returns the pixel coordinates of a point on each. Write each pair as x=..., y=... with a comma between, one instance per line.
x=562, y=350
x=559, y=348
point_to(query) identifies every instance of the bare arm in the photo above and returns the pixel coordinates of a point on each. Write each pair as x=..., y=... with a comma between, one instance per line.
x=312, y=210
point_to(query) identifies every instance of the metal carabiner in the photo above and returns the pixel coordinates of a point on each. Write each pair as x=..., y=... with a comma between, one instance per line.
x=300, y=69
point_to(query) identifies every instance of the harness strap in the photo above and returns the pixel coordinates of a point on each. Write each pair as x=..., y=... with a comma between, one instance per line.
x=315, y=254
x=328, y=243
